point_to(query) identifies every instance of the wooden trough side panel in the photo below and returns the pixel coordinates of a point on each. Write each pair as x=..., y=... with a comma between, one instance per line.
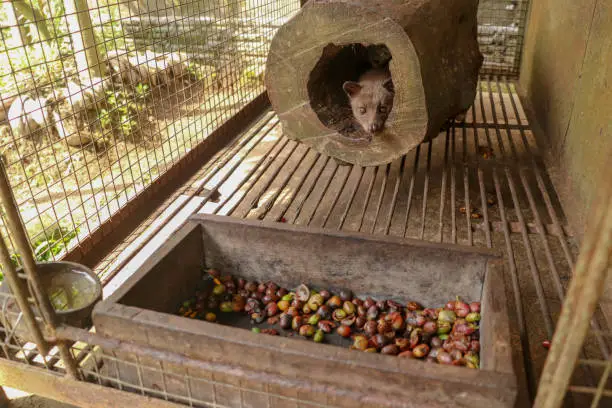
x=496, y=352
x=376, y=266
x=370, y=378
x=168, y=276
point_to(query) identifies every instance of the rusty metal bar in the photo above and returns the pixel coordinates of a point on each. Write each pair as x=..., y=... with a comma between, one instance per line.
x=443, y=188
x=453, y=177
x=24, y=248
x=535, y=271
x=20, y=292
x=515, y=227
x=426, y=189
x=542, y=232
x=483, y=195
x=67, y=390
x=588, y=390
x=415, y=168
x=29, y=265
x=547, y=200
x=601, y=387
x=466, y=188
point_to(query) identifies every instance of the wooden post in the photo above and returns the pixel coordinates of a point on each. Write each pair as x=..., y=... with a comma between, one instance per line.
x=584, y=292
x=88, y=60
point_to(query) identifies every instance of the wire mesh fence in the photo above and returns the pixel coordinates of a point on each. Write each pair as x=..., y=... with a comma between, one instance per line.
x=100, y=98
x=501, y=28
x=195, y=384
x=99, y=101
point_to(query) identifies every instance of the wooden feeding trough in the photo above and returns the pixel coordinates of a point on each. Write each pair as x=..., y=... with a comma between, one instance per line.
x=141, y=311
x=434, y=63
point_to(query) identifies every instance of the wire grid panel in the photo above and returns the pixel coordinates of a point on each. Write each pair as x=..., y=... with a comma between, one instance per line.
x=501, y=30
x=16, y=340
x=101, y=98
x=99, y=101
x=188, y=384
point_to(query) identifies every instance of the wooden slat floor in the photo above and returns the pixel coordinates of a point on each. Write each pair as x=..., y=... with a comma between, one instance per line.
x=482, y=184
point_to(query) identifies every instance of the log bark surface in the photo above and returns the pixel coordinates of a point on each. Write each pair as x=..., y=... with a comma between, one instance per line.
x=435, y=64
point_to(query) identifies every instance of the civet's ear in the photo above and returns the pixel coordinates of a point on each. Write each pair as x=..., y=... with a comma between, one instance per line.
x=351, y=88
x=388, y=85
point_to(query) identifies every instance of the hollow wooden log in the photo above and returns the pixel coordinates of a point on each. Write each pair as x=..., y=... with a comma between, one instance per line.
x=434, y=65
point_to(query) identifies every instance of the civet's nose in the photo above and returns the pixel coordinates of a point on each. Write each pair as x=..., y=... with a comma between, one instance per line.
x=375, y=127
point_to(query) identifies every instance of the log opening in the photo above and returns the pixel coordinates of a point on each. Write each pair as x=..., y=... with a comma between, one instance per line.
x=434, y=72
x=338, y=64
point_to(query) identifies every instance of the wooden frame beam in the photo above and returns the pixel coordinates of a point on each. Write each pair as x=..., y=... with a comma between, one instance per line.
x=81, y=394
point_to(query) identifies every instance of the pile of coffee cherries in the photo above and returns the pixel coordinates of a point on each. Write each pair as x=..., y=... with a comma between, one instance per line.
x=446, y=335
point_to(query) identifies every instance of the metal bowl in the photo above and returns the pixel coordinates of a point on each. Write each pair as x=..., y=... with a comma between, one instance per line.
x=72, y=288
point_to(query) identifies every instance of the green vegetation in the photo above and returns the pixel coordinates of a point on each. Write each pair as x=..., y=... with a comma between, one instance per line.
x=123, y=110
x=48, y=245
x=134, y=128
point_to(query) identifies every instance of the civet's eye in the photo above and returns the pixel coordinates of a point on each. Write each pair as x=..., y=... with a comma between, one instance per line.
x=382, y=109
x=362, y=110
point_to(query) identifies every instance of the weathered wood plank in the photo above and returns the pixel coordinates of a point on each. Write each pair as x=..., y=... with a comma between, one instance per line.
x=354, y=217
x=250, y=199
x=276, y=185
x=340, y=211
x=308, y=207
x=291, y=190
x=306, y=189
x=329, y=200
